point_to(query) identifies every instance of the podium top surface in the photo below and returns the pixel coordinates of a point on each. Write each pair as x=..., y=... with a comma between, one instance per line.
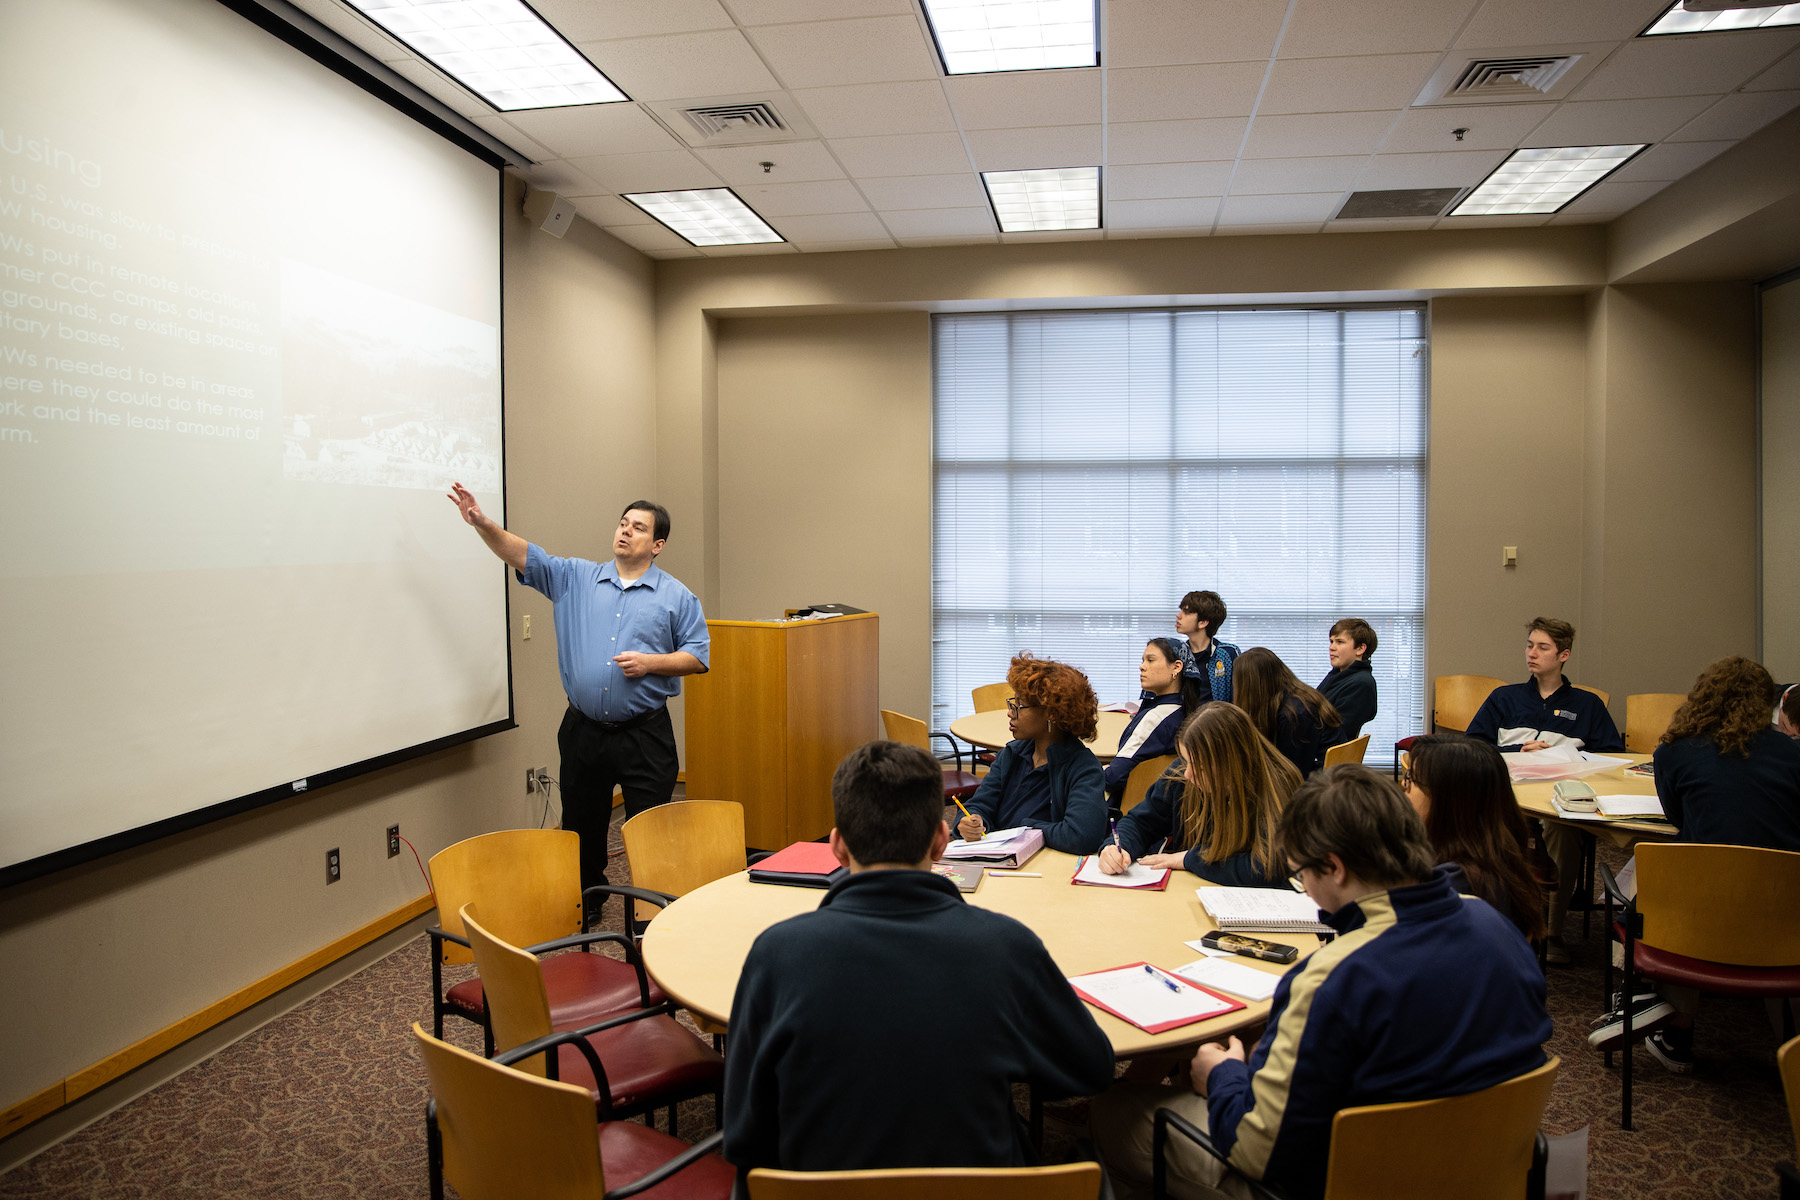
x=795, y=622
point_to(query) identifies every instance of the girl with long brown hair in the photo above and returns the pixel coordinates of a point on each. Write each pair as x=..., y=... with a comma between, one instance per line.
x=1215, y=812
x=1297, y=718
x=1723, y=773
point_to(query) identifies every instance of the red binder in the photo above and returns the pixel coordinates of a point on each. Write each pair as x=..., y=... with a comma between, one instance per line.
x=803, y=864
x=1232, y=1004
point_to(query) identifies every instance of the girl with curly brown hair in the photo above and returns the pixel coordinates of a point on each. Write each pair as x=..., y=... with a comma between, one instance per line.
x=1045, y=777
x=1723, y=773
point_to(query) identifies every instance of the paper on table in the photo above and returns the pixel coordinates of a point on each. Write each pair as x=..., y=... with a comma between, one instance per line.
x=1558, y=762
x=1203, y=948
x=1142, y=997
x=996, y=840
x=1136, y=875
x=1629, y=806
x=1232, y=977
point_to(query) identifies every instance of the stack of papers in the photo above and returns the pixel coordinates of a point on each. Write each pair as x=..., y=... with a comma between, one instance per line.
x=1137, y=875
x=1558, y=762
x=1001, y=848
x=1630, y=807
x=1233, y=977
x=1152, y=1000
x=1271, y=909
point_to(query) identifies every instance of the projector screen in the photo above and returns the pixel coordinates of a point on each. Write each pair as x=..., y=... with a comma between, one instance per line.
x=249, y=333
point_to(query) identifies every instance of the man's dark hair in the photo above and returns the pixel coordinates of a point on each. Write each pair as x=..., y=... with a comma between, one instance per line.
x=888, y=801
x=1560, y=632
x=1208, y=607
x=659, y=526
x=1350, y=811
x=1361, y=634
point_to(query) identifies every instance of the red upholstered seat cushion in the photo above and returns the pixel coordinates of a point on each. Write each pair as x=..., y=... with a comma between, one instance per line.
x=1718, y=978
x=1405, y=743
x=583, y=988
x=959, y=785
x=648, y=1063
x=629, y=1151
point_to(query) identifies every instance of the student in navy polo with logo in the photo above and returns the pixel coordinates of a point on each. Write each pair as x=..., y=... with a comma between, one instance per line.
x=626, y=633
x=1547, y=710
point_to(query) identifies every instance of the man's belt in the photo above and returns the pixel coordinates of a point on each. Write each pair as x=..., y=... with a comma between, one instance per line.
x=637, y=722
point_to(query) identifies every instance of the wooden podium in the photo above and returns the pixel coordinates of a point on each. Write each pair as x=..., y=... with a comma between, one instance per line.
x=769, y=723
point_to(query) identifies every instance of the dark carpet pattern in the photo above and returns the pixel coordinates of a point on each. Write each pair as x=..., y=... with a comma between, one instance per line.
x=328, y=1101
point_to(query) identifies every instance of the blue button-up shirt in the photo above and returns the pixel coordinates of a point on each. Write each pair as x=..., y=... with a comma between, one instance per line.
x=598, y=615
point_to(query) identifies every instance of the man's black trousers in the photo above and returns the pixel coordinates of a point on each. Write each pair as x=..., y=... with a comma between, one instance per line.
x=640, y=758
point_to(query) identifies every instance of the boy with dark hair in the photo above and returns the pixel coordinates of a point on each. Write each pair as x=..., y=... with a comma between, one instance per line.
x=837, y=1060
x=1547, y=710
x=1350, y=684
x=1203, y=656
x=1423, y=994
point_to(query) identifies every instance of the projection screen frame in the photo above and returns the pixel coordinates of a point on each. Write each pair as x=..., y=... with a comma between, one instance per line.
x=129, y=839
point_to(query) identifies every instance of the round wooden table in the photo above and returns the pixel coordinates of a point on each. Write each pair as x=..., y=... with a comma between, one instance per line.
x=989, y=729
x=696, y=947
x=1534, y=800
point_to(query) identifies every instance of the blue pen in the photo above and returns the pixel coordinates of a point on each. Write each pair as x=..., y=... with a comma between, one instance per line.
x=1162, y=979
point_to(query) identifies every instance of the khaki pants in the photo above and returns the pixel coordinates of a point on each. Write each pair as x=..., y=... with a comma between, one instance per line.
x=1121, y=1119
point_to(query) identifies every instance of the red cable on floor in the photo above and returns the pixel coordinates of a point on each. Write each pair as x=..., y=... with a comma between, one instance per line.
x=422, y=870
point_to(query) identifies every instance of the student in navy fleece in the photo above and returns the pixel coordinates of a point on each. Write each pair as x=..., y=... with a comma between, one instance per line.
x=1350, y=684
x=1299, y=720
x=1214, y=814
x=1424, y=994
x=1544, y=711
x=1045, y=777
x=1169, y=698
x=837, y=1059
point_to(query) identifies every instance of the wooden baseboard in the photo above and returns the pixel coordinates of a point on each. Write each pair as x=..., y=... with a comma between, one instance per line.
x=67, y=1091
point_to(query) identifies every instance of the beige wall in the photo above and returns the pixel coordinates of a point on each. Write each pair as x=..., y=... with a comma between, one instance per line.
x=824, y=478
x=1781, y=481
x=101, y=955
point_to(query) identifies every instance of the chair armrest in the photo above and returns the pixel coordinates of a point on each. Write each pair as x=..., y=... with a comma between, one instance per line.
x=954, y=748
x=757, y=856
x=1167, y=1119
x=546, y=1046
x=584, y=939
x=444, y=935
x=1628, y=914
x=613, y=1022
x=660, y=899
x=1540, y=1166
x=682, y=1161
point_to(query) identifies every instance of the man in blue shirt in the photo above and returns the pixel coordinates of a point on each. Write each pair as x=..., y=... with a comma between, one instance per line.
x=626, y=632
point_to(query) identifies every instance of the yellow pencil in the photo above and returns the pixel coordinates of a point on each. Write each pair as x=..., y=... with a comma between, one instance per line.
x=968, y=814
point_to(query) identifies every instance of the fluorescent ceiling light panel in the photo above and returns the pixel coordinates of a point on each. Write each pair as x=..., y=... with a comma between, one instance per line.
x=1542, y=181
x=499, y=49
x=1706, y=18
x=1058, y=198
x=709, y=217
x=1013, y=35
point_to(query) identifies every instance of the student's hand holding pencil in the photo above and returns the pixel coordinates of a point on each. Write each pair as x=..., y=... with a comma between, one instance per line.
x=971, y=828
x=1114, y=860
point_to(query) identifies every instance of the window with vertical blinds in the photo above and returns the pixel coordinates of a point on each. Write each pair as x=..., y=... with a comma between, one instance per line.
x=1091, y=468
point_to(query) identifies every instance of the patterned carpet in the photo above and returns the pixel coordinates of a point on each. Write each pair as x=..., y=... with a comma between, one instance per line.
x=328, y=1101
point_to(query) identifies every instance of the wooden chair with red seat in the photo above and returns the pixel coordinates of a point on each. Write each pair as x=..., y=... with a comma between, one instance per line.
x=1065, y=1181
x=494, y=1133
x=630, y=1064
x=1455, y=701
x=1142, y=777
x=1647, y=716
x=958, y=783
x=1718, y=919
x=528, y=884
x=1789, y=1058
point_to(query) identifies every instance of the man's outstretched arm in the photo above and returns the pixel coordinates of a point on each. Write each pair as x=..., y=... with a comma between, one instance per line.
x=509, y=548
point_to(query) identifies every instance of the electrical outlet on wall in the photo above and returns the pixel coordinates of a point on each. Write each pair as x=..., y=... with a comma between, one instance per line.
x=333, y=866
x=393, y=840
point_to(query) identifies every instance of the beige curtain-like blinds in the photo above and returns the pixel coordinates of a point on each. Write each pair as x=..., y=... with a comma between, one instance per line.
x=1093, y=467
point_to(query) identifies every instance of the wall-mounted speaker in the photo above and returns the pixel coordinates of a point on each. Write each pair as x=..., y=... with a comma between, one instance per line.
x=549, y=212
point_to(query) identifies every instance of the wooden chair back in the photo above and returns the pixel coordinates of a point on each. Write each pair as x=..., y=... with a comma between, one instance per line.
x=518, y=1007
x=990, y=696
x=1143, y=775
x=1647, y=716
x=1473, y=1147
x=1066, y=1181
x=1347, y=752
x=908, y=731
x=679, y=846
x=505, y=1134
x=1605, y=697
x=527, y=882
x=1789, y=1058
x=1457, y=698
x=1722, y=904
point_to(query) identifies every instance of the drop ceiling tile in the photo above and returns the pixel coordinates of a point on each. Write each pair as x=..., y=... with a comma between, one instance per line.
x=1028, y=149
x=1157, y=181
x=1320, y=27
x=439, y=85
x=1684, y=66
x=829, y=227
x=940, y=222
x=606, y=211
x=1609, y=196
x=1489, y=126
x=1013, y=99
x=1464, y=168
x=1164, y=33
x=795, y=162
x=827, y=53
x=599, y=20
x=902, y=154
x=1161, y=214
x=1271, y=176
x=716, y=63
x=781, y=12
x=1737, y=116
x=1669, y=161
x=947, y=240
x=844, y=247
x=1181, y=93
x=1784, y=74
x=591, y=129
x=803, y=199
x=925, y=191
x=648, y=237
x=663, y=172
x=1279, y=210
x=1614, y=122
x=1547, y=22
x=565, y=179
x=1120, y=235
x=1273, y=229
x=1174, y=141
x=515, y=137
x=1379, y=224
x=875, y=109
x=1316, y=133
x=1309, y=85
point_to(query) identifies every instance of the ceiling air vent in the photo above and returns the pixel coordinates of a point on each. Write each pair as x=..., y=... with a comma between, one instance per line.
x=744, y=120
x=1512, y=75
x=733, y=121
x=1403, y=202
x=1530, y=76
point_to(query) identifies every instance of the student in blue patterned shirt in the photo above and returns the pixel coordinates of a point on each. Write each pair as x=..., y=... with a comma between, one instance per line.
x=1203, y=656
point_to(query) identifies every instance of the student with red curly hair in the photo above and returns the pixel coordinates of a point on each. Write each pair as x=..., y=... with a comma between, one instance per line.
x=1045, y=777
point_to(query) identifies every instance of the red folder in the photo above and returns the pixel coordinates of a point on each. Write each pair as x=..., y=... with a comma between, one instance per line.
x=803, y=864
x=1232, y=1003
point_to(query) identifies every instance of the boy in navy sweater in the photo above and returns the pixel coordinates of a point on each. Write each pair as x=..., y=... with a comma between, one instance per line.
x=1547, y=710
x=1350, y=685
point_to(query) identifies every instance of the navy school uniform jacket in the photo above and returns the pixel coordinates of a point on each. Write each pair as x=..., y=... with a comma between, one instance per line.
x=1351, y=691
x=1077, y=794
x=1300, y=737
x=1143, y=828
x=1515, y=714
x=1150, y=734
x=1424, y=994
x=1725, y=800
x=837, y=1058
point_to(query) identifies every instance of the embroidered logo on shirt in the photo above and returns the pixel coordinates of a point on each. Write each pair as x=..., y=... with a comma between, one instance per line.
x=1219, y=667
x=1564, y=714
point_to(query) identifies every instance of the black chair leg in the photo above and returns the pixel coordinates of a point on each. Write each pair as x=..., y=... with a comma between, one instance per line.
x=1625, y=1047
x=1037, y=1120
x=1590, y=847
